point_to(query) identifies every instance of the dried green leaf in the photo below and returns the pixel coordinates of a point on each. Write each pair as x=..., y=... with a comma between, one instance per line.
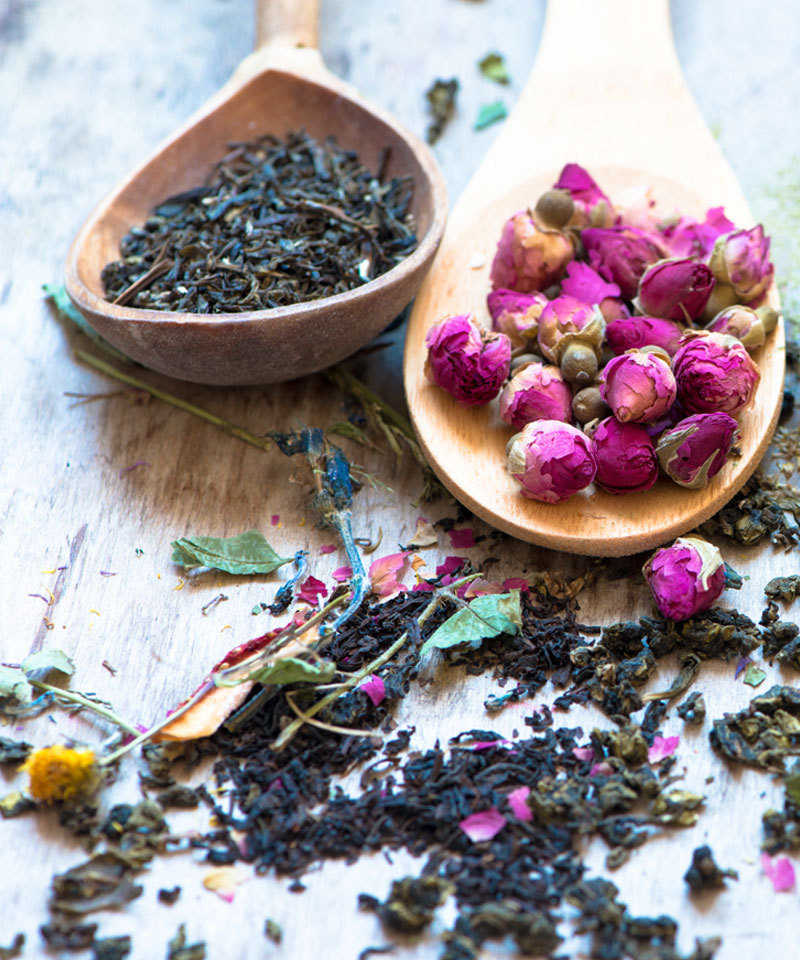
x=287, y=670
x=246, y=553
x=490, y=113
x=13, y=804
x=754, y=675
x=352, y=432
x=46, y=660
x=441, y=97
x=14, y=684
x=484, y=617
x=493, y=67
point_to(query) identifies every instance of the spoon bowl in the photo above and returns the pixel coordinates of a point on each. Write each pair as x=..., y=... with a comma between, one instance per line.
x=283, y=86
x=627, y=135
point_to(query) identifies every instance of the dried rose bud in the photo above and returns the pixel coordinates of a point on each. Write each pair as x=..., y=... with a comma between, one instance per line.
x=528, y=258
x=714, y=373
x=587, y=405
x=571, y=335
x=723, y=295
x=554, y=209
x=592, y=206
x=633, y=333
x=740, y=322
x=688, y=237
x=639, y=387
x=551, y=460
x=626, y=459
x=686, y=578
x=587, y=285
x=622, y=254
x=741, y=259
x=675, y=289
x=516, y=315
x=465, y=360
x=768, y=317
x=536, y=392
x=697, y=448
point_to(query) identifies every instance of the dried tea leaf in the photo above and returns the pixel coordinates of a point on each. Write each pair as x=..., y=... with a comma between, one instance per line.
x=112, y=948
x=493, y=67
x=291, y=670
x=13, y=751
x=15, y=949
x=15, y=803
x=484, y=617
x=411, y=903
x=273, y=931
x=178, y=950
x=441, y=97
x=704, y=874
x=490, y=113
x=67, y=934
x=693, y=709
x=246, y=553
x=678, y=808
x=101, y=883
x=786, y=588
x=46, y=660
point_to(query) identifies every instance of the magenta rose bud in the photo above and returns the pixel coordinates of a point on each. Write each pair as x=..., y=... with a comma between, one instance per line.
x=691, y=238
x=537, y=391
x=639, y=387
x=529, y=258
x=686, y=578
x=516, y=314
x=587, y=285
x=675, y=289
x=622, y=254
x=592, y=206
x=550, y=460
x=741, y=258
x=626, y=459
x=467, y=361
x=632, y=333
x=697, y=448
x=714, y=373
x=565, y=318
x=740, y=322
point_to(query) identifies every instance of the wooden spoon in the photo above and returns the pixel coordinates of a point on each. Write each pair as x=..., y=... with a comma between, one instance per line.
x=606, y=92
x=283, y=86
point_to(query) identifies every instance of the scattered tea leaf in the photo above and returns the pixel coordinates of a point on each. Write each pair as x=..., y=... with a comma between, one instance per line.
x=15, y=949
x=704, y=874
x=490, y=113
x=13, y=751
x=411, y=903
x=15, y=803
x=441, y=97
x=178, y=950
x=101, y=883
x=112, y=948
x=273, y=931
x=786, y=588
x=754, y=675
x=493, y=67
x=484, y=617
x=246, y=553
x=693, y=709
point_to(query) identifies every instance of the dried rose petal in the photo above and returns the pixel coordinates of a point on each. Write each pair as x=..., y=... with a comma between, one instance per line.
x=467, y=361
x=374, y=688
x=662, y=747
x=586, y=285
x=518, y=801
x=692, y=238
x=622, y=254
x=714, y=373
x=551, y=460
x=741, y=258
x=484, y=825
x=384, y=574
x=677, y=289
x=685, y=578
x=516, y=315
x=529, y=258
x=638, y=387
x=583, y=753
x=342, y=574
x=537, y=391
x=626, y=459
x=462, y=539
x=780, y=872
x=310, y=589
x=632, y=333
x=697, y=448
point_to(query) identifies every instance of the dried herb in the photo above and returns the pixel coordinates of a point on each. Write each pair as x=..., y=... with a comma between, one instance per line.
x=273, y=931
x=490, y=113
x=483, y=617
x=704, y=874
x=277, y=222
x=693, y=709
x=65, y=934
x=14, y=804
x=764, y=509
x=112, y=948
x=15, y=949
x=411, y=903
x=15, y=682
x=493, y=67
x=169, y=897
x=177, y=948
x=441, y=97
x=13, y=751
x=765, y=734
x=754, y=675
x=783, y=588
x=246, y=553
x=100, y=883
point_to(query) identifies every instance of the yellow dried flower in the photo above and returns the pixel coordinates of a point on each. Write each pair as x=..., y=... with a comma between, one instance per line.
x=58, y=773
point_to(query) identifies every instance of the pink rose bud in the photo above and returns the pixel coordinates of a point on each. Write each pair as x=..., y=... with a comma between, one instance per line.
x=685, y=578
x=744, y=323
x=675, y=289
x=536, y=392
x=632, y=333
x=690, y=238
x=565, y=319
x=639, y=387
x=622, y=254
x=529, y=258
x=516, y=315
x=714, y=373
x=592, y=206
x=626, y=460
x=741, y=259
x=467, y=361
x=587, y=285
x=551, y=460
x=696, y=448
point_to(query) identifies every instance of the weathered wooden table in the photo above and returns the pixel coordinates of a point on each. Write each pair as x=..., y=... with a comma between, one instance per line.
x=87, y=89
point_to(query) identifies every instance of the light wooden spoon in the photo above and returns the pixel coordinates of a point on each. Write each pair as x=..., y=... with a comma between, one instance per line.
x=606, y=92
x=283, y=86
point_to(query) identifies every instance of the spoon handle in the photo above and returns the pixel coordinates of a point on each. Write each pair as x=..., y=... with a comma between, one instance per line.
x=290, y=23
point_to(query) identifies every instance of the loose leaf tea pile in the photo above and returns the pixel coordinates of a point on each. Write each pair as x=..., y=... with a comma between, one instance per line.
x=278, y=222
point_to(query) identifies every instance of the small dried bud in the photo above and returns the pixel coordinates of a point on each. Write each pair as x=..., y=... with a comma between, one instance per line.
x=769, y=317
x=741, y=258
x=535, y=392
x=622, y=254
x=587, y=405
x=686, y=578
x=697, y=448
x=742, y=323
x=675, y=289
x=626, y=460
x=585, y=284
x=550, y=460
x=591, y=205
x=633, y=333
x=467, y=361
x=714, y=373
x=566, y=319
x=723, y=295
x=516, y=315
x=579, y=363
x=523, y=359
x=554, y=209
x=639, y=387
x=528, y=258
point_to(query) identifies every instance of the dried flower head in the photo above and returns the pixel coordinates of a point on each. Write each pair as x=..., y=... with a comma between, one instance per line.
x=714, y=373
x=60, y=773
x=639, y=387
x=528, y=258
x=465, y=360
x=685, y=578
x=676, y=289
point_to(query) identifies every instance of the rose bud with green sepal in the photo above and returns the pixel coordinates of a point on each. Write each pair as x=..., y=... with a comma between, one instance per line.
x=529, y=258
x=588, y=405
x=768, y=316
x=466, y=360
x=626, y=459
x=633, y=333
x=592, y=207
x=677, y=289
x=537, y=391
x=586, y=284
x=571, y=334
x=714, y=373
x=622, y=254
x=550, y=460
x=516, y=315
x=740, y=322
x=554, y=209
x=741, y=258
x=685, y=578
x=697, y=448
x=639, y=387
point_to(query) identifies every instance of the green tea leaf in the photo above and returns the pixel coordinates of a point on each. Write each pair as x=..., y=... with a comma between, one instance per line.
x=484, y=617
x=49, y=659
x=493, y=67
x=490, y=113
x=61, y=301
x=247, y=553
x=754, y=675
x=288, y=670
x=14, y=683
x=792, y=785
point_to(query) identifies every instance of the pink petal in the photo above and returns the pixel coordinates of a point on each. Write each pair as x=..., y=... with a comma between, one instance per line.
x=341, y=574
x=483, y=825
x=276, y=519
x=462, y=539
x=384, y=574
x=450, y=566
x=662, y=747
x=310, y=589
x=481, y=587
x=516, y=583
x=374, y=688
x=518, y=801
x=603, y=768
x=583, y=753
x=780, y=871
